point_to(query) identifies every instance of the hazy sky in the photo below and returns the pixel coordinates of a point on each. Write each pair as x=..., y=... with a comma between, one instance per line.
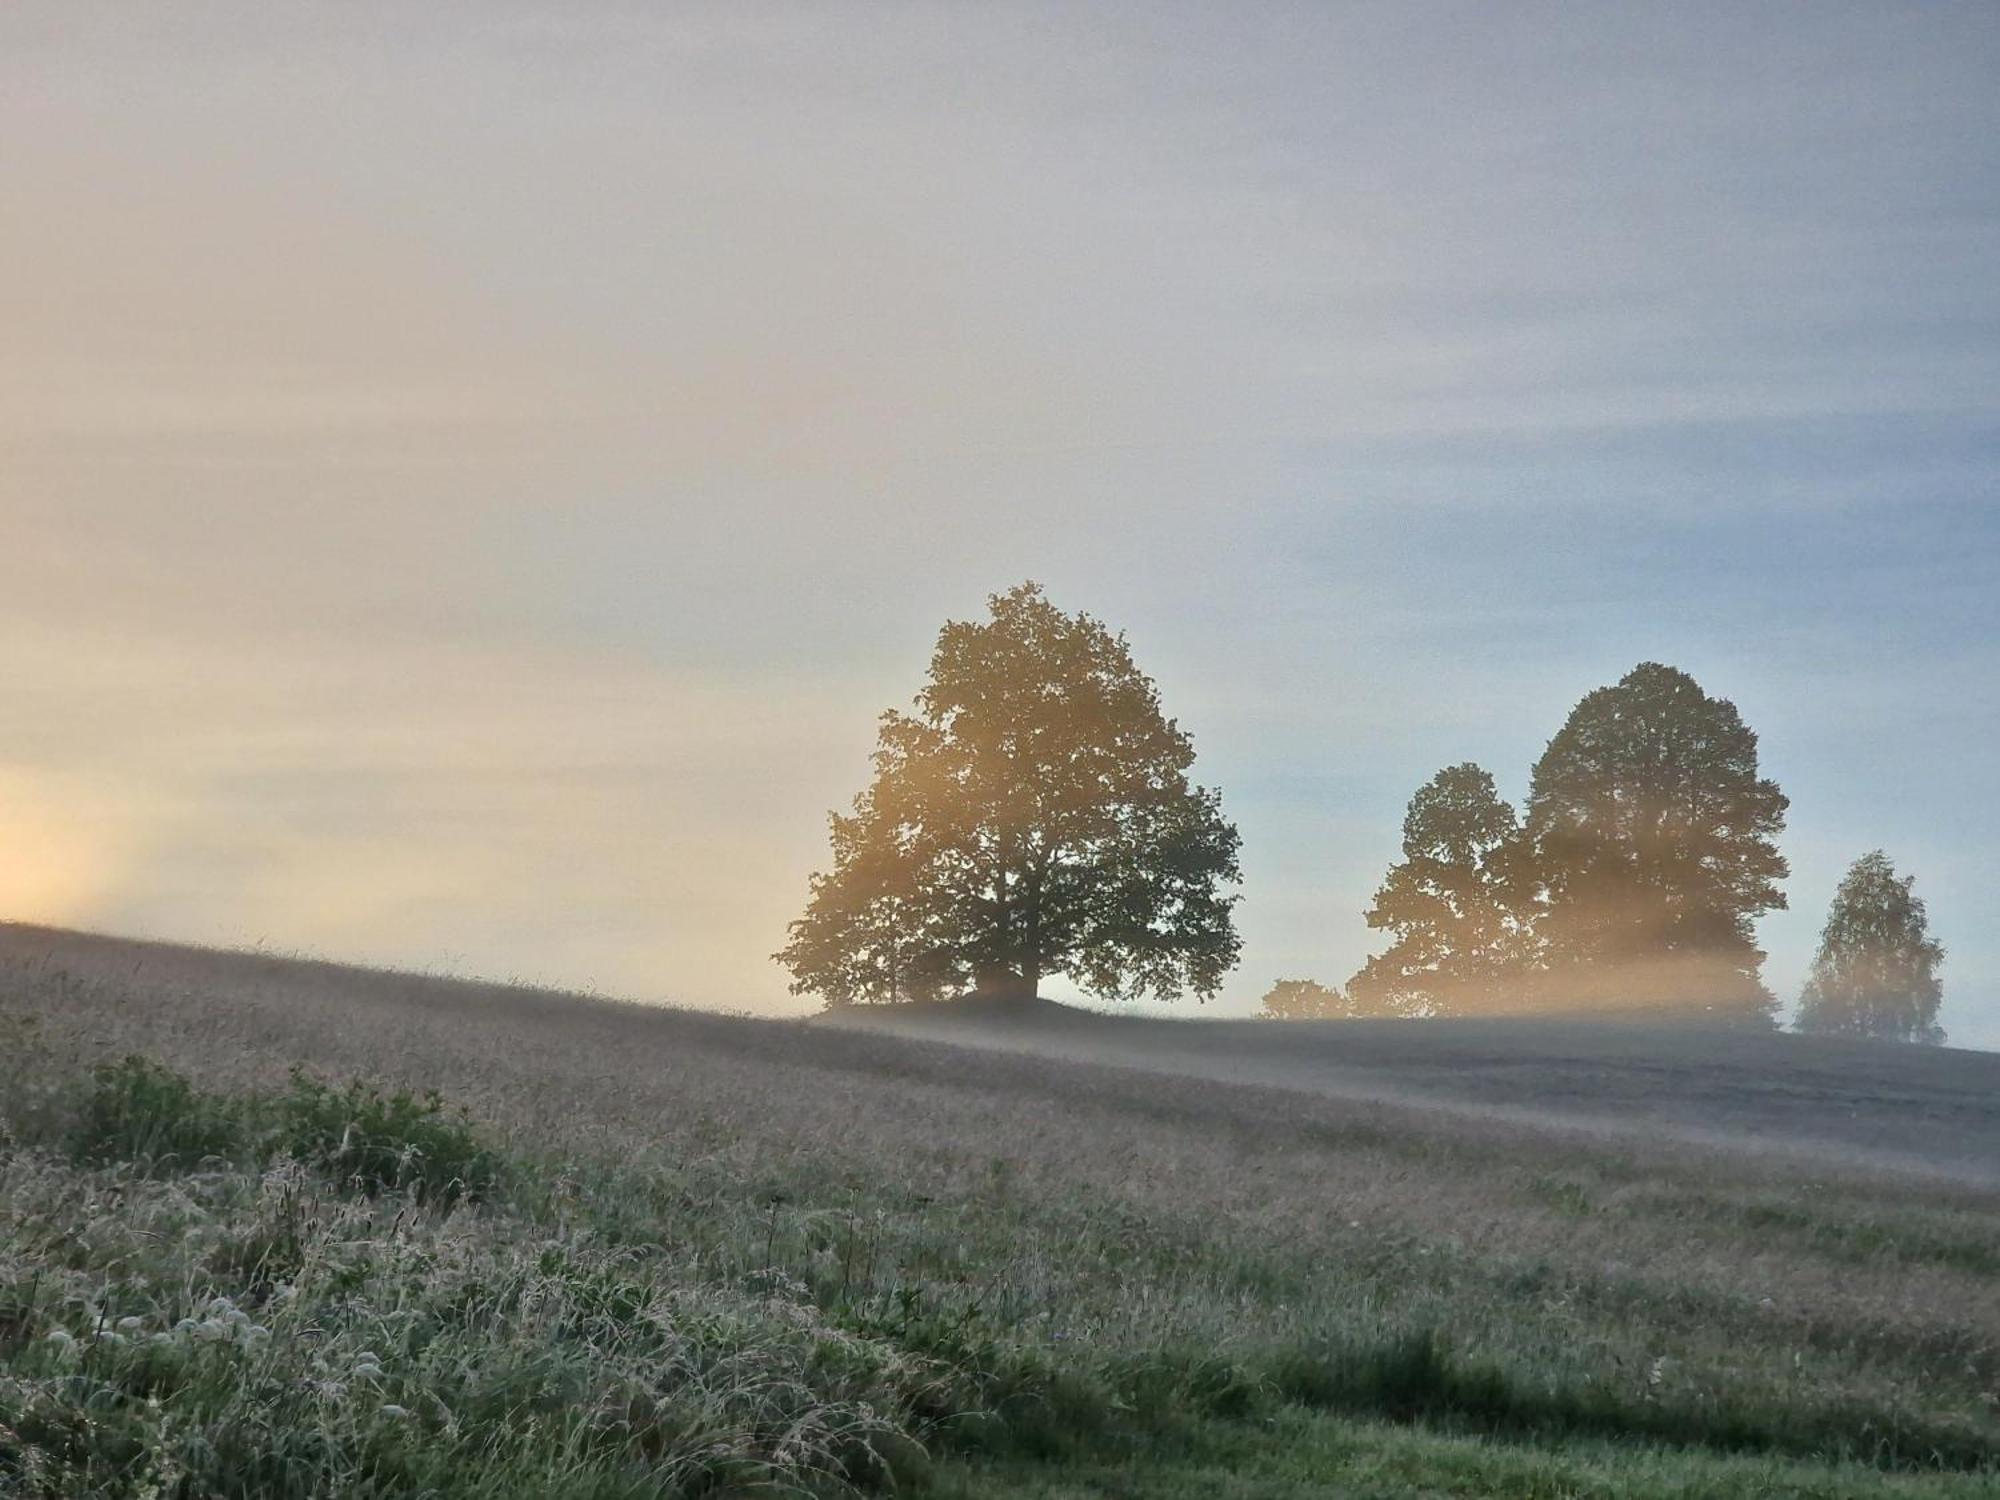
x=472, y=475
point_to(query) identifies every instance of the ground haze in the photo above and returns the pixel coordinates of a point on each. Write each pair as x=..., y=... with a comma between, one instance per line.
x=1926, y=1110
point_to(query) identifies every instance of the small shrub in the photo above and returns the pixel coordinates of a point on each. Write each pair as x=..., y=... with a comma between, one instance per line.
x=372, y=1142
x=137, y=1111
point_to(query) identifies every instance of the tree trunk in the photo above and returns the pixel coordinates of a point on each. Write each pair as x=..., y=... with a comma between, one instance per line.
x=1004, y=982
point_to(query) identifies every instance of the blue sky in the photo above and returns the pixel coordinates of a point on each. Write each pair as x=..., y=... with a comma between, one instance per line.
x=473, y=474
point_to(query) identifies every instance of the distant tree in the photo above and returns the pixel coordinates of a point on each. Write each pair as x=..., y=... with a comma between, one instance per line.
x=1876, y=971
x=1033, y=817
x=1652, y=839
x=1304, y=1000
x=1456, y=903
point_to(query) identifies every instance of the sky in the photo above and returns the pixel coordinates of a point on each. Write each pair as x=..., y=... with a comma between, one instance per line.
x=472, y=475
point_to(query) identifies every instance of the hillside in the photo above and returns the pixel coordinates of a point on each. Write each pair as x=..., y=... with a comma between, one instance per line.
x=1919, y=1109
x=671, y=1253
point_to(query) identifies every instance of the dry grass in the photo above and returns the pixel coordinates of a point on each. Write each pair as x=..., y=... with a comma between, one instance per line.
x=1244, y=1200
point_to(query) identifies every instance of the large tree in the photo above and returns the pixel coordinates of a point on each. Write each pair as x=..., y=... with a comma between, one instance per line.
x=1033, y=817
x=1652, y=838
x=1456, y=903
x=1876, y=971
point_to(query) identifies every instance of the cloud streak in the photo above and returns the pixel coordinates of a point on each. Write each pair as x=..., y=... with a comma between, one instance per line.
x=472, y=477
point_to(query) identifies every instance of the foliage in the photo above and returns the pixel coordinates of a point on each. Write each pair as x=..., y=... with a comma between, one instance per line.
x=871, y=933
x=1033, y=817
x=367, y=1141
x=1876, y=971
x=1305, y=1000
x=137, y=1111
x=374, y=1142
x=1455, y=904
x=1652, y=840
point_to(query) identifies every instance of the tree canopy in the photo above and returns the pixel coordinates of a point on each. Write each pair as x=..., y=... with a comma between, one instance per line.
x=1652, y=838
x=1456, y=903
x=1305, y=1000
x=1875, y=974
x=1033, y=817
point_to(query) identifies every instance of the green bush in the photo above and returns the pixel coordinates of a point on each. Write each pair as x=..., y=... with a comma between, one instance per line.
x=366, y=1140
x=137, y=1111
x=372, y=1142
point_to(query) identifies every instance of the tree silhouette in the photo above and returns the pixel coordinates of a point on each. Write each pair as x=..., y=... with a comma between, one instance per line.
x=1876, y=971
x=1305, y=1000
x=879, y=949
x=1033, y=817
x=1652, y=839
x=1457, y=904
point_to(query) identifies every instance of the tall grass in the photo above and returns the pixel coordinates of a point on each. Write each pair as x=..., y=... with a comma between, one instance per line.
x=273, y=1296
x=676, y=1255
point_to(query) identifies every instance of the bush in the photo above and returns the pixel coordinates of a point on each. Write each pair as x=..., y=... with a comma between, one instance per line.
x=367, y=1141
x=372, y=1142
x=137, y=1111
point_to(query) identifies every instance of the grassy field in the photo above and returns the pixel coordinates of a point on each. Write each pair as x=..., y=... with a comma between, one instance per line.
x=636, y=1252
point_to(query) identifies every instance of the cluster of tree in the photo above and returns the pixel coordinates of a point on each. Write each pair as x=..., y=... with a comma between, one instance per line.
x=1646, y=854
x=1034, y=817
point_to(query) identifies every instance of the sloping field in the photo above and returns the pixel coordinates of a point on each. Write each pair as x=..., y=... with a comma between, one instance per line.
x=1915, y=1109
x=677, y=1253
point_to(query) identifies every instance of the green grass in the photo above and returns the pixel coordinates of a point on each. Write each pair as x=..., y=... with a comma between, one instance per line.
x=278, y=1325
x=136, y=1111
x=799, y=1264
x=1301, y=1455
x=303, y=1294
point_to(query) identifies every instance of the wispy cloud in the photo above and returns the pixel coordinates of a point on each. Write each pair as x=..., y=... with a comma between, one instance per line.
x=516, y=454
